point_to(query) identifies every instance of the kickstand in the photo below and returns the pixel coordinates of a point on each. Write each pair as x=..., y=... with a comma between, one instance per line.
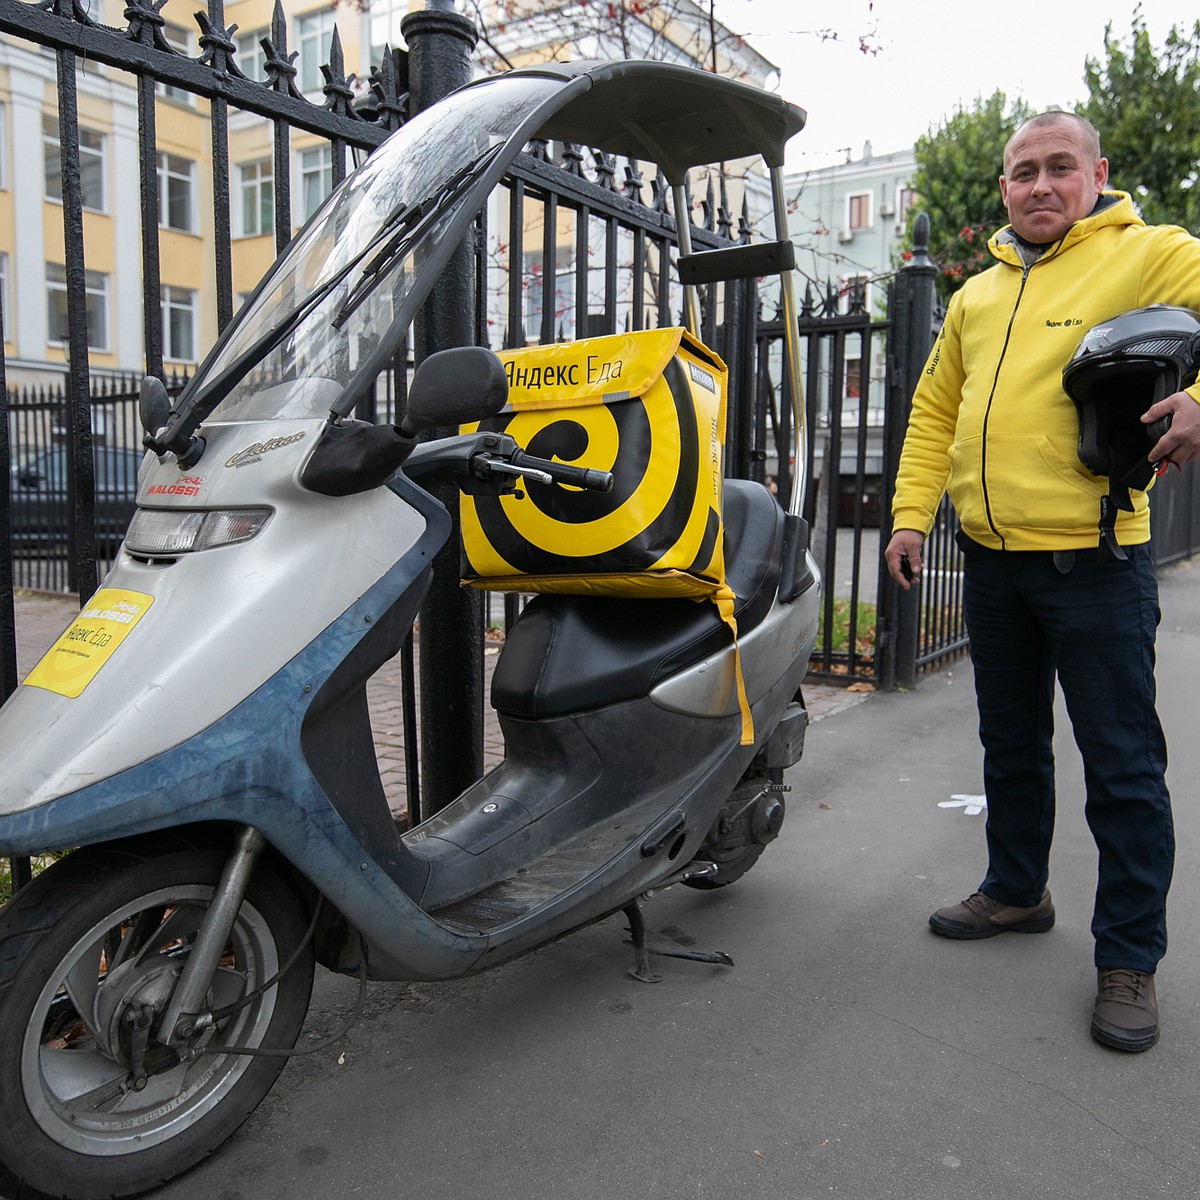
x=667, y=948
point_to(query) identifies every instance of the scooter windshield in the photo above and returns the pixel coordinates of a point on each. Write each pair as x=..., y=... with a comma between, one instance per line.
x=357, y=266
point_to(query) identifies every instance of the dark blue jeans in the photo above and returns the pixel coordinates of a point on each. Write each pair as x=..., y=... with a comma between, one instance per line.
x=1028, y=619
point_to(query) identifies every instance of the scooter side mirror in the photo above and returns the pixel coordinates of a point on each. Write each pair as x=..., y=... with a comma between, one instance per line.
x=154, y=405
x=452, y=387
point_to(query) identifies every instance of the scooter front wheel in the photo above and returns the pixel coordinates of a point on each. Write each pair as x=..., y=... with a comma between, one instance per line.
x=89, y=954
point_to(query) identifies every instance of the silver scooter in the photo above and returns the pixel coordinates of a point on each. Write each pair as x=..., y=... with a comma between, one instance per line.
x=200, y=734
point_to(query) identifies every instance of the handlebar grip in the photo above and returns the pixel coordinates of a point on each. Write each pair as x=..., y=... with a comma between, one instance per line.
x=580, y=477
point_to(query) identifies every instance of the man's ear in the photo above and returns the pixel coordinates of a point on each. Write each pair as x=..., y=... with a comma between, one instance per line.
x=1004, y=191
x=1101, y=175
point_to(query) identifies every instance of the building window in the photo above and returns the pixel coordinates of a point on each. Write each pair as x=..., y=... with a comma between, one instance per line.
x=3, y=147
x=180, y=39
x=313, y=35
x=316, y=177
x=91, y=164
x=854, y=294
x=258, y=197
x=176, y=192
x=853, y=378
x=385, y=17
x=251, y=57
x=96, y=294
x=179, y=324
x=858, y=211
x=906, y=199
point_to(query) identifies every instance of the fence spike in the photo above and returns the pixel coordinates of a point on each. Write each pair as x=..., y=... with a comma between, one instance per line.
x=339, y=95
x=217, y=47
x=633, y=181
x=279, y=65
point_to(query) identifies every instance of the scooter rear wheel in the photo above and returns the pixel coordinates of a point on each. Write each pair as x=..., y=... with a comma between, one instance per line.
x=748, y=823
x=91, y=1107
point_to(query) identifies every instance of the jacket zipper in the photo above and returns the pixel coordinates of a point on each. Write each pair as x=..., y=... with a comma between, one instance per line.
x=987, y=412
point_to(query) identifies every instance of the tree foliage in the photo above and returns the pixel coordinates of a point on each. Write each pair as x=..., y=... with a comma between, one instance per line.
x=1146, y=107
x=958, y=166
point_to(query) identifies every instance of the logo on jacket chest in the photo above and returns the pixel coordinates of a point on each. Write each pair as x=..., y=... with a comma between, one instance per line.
x=1069, y=323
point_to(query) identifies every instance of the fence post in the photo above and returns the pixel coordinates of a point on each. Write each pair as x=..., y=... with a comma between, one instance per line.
x=911, y=309
x=440, y=42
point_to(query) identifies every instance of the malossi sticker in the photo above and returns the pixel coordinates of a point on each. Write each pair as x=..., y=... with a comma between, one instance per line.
x=89, y=642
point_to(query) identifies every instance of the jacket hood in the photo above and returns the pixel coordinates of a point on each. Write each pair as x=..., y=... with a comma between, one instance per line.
x=1112, y=208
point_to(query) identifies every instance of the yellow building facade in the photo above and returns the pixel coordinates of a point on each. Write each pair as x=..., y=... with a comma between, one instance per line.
x=32, y=258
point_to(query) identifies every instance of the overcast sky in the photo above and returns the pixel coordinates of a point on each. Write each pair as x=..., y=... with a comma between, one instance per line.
x=932, y=56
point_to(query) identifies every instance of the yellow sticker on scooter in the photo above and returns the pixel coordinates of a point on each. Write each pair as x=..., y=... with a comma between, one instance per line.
x=89, y=641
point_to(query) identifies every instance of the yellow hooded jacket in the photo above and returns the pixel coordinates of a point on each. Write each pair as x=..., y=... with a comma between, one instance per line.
x=990, y=423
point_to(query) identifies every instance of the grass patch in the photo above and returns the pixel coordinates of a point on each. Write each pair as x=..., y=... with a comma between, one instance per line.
x=839, y=631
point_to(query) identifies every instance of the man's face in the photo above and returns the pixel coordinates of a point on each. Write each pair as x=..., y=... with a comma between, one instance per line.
x=1050, y=180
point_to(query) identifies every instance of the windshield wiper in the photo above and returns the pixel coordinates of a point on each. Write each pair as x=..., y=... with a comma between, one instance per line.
x=395, y=233
x=228, y=379
x=398, y=244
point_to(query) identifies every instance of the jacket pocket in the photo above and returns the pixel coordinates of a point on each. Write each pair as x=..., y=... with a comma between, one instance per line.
x=1030, y=486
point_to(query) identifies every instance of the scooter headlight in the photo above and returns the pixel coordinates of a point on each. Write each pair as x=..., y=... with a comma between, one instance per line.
x=166, y=533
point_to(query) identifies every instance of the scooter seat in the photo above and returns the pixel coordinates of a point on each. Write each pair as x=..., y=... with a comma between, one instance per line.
x=570, y=653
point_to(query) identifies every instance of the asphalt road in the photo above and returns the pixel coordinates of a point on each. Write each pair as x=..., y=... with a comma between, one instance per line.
x=848, y=1053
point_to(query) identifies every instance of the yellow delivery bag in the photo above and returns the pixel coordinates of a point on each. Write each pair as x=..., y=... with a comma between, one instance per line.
x=648, y=406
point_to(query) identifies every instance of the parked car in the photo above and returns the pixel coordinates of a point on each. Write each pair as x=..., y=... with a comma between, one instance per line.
x=39, y=513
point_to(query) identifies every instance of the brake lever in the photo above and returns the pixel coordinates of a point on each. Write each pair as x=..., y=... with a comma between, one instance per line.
x=495, y=466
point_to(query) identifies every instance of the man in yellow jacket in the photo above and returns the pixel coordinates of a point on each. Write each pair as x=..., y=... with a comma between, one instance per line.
x=992, y=427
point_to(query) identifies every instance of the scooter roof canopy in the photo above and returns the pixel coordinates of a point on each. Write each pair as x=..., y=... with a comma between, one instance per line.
x=676, y=117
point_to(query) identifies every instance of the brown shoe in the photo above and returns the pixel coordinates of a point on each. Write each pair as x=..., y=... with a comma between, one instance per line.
x=980, y=916
x=1126, y=1014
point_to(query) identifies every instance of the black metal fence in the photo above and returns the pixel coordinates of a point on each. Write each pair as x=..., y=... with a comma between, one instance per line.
x=615, y=272
x=575, y=243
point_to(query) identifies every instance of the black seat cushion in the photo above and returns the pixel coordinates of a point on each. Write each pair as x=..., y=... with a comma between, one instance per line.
x=569, y=653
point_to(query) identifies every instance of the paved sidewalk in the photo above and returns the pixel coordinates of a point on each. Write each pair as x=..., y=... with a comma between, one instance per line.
x=850, y=1054
x=42, y=616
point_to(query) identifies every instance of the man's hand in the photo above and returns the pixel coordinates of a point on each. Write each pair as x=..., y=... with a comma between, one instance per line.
x=1181, y=443
x=903, y=555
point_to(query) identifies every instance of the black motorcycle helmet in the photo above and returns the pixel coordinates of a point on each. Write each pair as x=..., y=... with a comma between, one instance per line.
x=1119, y=369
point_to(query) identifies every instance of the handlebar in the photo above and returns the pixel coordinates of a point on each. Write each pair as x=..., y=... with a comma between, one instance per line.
x=488, y=462
x=558, y=472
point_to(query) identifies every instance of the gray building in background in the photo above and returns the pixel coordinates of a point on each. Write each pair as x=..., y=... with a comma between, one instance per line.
x=847, y=221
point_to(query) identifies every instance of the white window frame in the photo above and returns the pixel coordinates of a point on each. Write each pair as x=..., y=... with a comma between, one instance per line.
x=180, y=38
x=383, y=28
x=171, y=170
x=314, y=164
x=89, y=154
x=845, y=288
x=868, y=199
x=96, y=289
x=251, y=59
x=178, y=301
x=3, y=147
x=256, y=218
x=313, y=33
